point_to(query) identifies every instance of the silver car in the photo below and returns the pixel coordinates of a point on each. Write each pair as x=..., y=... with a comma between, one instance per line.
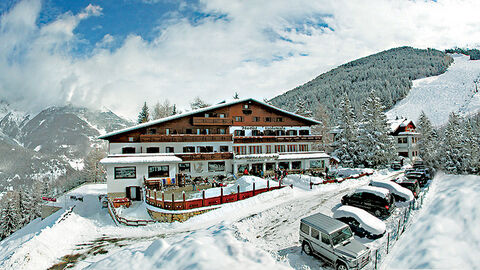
x=333, y=242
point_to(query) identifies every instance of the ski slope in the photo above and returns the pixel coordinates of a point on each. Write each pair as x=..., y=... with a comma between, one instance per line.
x=438, y=96
x=445, y=234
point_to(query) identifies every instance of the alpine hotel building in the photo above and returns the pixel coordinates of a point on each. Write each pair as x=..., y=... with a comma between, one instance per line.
x=219, y=140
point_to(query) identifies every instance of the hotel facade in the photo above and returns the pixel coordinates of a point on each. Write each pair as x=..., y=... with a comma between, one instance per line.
x=217, y=141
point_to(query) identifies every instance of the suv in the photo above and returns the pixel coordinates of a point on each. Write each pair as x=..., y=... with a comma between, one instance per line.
x=411, y=184
x=333, y=242
x=421, y=177
x=376, y=200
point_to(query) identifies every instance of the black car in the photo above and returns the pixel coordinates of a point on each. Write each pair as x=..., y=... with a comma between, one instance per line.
x=378, y=201
x=420, y=176
x=411, y=184
x=396, y=165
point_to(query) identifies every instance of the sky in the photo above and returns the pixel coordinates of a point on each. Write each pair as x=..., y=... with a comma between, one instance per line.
x=117, y=54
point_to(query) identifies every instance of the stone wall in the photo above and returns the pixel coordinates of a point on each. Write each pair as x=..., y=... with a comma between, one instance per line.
x=172, y=217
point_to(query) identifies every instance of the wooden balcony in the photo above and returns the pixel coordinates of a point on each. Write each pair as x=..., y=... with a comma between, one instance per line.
x=186, y=138
x=212, y=121
x=205, y=156
x=276, y=139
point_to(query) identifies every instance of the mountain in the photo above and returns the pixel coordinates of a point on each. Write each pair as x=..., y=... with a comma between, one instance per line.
x=389, y=72
x=50, y=145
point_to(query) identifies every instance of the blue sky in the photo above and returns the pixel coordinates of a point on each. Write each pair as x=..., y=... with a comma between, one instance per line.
x=120, y=53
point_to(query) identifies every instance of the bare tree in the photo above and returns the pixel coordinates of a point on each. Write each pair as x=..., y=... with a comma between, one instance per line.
x=164, y=109
x=198, y=103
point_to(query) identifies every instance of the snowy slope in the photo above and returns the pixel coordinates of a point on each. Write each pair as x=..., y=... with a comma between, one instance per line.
x=453, y=91
x=445, y=234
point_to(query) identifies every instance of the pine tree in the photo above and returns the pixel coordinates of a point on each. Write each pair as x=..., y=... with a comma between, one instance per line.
x=377, y=147
x=347, y=144
x=301, y=108
x=10, y=217
x=174, y=109
x=428, y=141
x=144, y=115
x=451, y=156
x=235, y=96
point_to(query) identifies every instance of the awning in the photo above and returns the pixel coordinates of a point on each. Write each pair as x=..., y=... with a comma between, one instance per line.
x=140, y=159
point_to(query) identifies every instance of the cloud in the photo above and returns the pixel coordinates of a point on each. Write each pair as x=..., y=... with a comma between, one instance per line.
x=257, y=48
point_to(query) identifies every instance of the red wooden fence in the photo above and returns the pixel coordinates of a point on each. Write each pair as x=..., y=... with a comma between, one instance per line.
x=157, y=199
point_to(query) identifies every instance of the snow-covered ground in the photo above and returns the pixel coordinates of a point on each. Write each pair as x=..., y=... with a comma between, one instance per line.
x=445, y=233
x=437, y=96
x=259, y=232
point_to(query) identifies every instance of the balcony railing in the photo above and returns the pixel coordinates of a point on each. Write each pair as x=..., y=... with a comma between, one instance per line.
x=212, y=121
x=276, y=139
x=186, y=138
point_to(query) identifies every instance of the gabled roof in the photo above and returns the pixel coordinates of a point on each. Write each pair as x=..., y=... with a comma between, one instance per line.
x=213, y=107
x=398, y=123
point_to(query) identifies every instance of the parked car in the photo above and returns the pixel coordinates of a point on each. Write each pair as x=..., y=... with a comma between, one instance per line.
x=411, y=184
x=421, y=177
x=362, y=223
x=400, y=193
x=396, y=165
x=375, y=200
x=333, y=242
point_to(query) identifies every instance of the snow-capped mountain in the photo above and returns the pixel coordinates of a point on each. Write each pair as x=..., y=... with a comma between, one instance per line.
x=457, y=90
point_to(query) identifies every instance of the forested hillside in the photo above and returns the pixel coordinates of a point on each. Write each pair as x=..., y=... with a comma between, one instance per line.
x=389, y=73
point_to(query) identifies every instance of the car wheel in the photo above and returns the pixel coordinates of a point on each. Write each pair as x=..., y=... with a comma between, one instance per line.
x=341, y=266
x=377, y=213
x=307, y=248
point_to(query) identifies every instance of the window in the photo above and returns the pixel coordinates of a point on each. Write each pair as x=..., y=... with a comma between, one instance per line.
x=291, y=132
x=314, y=233
x=152, y=131
x=279, y=119
x=246, y=106
x=402, y=140
x=283, y=165
x=189, y=149
x=169, y=149
x=270, y=166
x=255, y=149
x=303, y=147
x=256, y=119
x=325, y=239
x=280, y=132
x=184, y=167
x=153, y=149
x=158, y=171
x=304, y=132
x=239, y=133
x=304, y=228
x=218, y=166
x=268, y=149
x=204, y=149
x=292, y=148
x=130, y=139
x=188, y=131
x=256, y=132
x=317, y=164
x=223, y=148
x=238, y=118
x=125, y=172
x=167, y=131
x=221, y=131
x=128, y=150
x=279, y=148
x=240, y=150
x=268, y=119
x=206, y=115
x=222, y=115
x=269, y=133
x=296, y=165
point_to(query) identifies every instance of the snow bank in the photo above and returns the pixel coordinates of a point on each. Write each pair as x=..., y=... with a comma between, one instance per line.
x=445, y=234
x=213, y=248
x=366, y=220
x=394, y=188
x=301, y=181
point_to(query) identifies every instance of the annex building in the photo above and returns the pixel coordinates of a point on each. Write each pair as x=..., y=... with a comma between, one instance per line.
x=220, y=140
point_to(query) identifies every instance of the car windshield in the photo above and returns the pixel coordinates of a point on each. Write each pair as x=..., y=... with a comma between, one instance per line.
x=341, y=235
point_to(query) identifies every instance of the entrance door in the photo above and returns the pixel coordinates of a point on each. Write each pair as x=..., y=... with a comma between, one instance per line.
x=256, y=168
x=133, y=193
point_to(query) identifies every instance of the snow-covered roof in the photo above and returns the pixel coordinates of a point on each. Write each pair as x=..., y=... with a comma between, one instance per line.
x=139, y=158
x=393, y=188
x=396, y=123
x=306, y=155
x=367, y=221
x=216, y=106
x=381, y=192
